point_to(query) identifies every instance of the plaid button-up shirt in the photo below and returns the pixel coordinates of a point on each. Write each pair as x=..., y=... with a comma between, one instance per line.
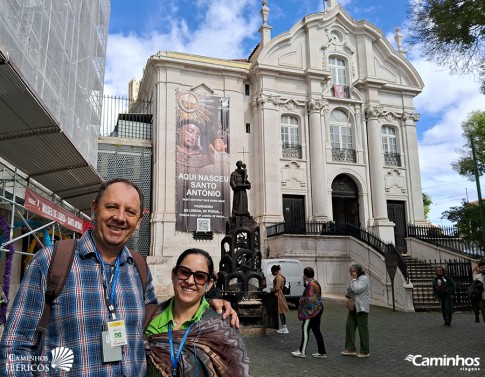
x=78, y=317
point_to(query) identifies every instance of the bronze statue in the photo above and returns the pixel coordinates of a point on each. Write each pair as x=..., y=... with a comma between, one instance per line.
x=239, y=184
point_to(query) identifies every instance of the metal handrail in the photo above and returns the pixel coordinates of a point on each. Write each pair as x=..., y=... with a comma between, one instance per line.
x=448, y=238
x=388, y=251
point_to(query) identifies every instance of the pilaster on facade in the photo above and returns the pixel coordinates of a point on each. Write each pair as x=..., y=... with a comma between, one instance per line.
x=269, y=173
x=317, y=157
x=376, y=163
x=416, y=206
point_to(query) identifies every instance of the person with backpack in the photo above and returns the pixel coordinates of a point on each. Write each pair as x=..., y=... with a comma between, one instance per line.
x=91, y=322
x=479, y=292
x=310, y=310
x=278, y=286
x=444, y=289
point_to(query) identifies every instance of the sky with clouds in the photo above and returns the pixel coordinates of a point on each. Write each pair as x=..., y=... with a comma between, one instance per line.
x=229, y=29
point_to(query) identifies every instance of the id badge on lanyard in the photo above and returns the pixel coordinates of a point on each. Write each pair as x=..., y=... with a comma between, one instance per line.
x=116, y=327
x=117, y=333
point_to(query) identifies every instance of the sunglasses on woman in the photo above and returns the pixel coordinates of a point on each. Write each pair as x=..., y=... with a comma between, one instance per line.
x=200, y=277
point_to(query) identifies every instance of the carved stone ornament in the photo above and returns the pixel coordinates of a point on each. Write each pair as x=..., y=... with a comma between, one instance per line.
x=395, y=181
x=291, y=105
x=316, y=104
x=260, y=99
x=293, y=174
x=406, y=116
x=372, y=112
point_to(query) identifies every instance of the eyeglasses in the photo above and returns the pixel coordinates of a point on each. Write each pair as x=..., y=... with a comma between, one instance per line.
x=200, y=277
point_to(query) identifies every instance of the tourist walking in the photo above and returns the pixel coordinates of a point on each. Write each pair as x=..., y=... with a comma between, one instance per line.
x=358, y=292
x=278, y=284
x=310, y=310
x=444, y=290
x=480, y=277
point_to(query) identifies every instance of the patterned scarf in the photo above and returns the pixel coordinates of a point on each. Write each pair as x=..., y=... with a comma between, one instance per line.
x=212, y=348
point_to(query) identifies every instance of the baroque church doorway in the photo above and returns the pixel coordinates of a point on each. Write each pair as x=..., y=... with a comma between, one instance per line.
x=294, y=214
x=396, y=213
x=345, y=201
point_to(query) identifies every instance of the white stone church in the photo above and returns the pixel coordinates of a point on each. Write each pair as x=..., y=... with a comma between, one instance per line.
x=323, y=117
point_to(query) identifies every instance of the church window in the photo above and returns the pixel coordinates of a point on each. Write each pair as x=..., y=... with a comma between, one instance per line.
x=290, y=138
x=341, y=137
x=389, y=146
x=339, y=83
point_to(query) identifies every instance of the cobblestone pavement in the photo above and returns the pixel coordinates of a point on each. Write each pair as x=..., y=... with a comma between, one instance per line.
x=393, y=336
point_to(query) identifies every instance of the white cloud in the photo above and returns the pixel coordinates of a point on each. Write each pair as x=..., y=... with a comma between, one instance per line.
x=221, y=32
x=446, y=102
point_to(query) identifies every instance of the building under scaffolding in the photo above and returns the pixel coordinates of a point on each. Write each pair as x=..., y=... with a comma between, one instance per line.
x=52, y=59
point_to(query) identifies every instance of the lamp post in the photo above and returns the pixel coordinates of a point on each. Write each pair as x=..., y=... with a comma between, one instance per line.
x=479, y=191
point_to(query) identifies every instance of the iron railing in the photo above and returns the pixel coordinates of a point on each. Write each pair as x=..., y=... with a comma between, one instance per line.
x=329, y=228
x=122, y=117
x=392, y=159
x=344, y=155
x=448, y=238
x=422, y=272
x=291, y=151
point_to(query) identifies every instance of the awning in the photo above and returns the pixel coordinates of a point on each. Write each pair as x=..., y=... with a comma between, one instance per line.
x=33, y=142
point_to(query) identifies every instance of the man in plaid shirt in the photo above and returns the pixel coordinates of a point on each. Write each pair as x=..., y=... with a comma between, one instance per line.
x=103, y=288
x=102, y=269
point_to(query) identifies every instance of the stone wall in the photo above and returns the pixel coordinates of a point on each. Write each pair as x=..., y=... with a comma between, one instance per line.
x=330, y=258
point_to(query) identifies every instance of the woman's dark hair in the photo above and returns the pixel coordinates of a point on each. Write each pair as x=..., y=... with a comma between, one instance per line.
x=210, y=262
x=104, y=186
x=308, y=272
x=275, y=268
x=481, y=263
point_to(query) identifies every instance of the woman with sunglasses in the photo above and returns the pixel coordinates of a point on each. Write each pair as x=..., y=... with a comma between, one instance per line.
x=185, y=336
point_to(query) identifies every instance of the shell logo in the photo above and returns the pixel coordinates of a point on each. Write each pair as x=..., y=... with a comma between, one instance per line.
x=62, y=358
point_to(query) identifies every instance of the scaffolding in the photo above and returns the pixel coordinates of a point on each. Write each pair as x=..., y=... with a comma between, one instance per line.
x=13, y=186
x=59, y=47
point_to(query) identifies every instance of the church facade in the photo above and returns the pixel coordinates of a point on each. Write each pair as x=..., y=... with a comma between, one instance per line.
x=323, y=117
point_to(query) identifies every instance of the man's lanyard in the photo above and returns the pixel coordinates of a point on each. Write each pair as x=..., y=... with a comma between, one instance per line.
x=110, y=298
x=175, y=360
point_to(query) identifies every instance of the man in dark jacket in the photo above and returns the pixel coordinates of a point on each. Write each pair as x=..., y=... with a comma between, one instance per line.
x=444, y=290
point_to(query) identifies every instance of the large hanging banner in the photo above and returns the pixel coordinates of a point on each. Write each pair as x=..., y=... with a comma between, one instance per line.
x=202, y=156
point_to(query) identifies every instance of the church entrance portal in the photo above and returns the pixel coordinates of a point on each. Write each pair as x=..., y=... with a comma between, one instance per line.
x=345, y=201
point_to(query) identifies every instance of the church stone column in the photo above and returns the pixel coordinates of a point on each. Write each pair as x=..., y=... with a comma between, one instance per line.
x=317, y=161
x=376, y=163
x=413, y=171
x=266, y=181
x=382, y=227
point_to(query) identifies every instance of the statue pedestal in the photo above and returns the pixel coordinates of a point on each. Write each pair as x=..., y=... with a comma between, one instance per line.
x=236, y=222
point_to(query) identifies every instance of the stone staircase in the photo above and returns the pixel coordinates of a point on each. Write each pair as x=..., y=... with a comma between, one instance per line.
x=421, y=274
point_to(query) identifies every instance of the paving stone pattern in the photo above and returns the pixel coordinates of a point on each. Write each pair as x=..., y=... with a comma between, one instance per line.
x=393, y=336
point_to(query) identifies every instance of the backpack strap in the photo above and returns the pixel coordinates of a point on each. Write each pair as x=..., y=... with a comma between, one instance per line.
x=141, y=266
x=59, y=269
